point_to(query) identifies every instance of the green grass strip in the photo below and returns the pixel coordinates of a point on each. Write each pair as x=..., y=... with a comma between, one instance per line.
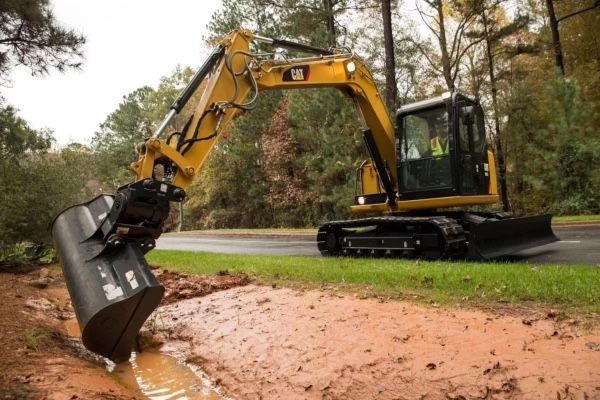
x=575, y=218
x=572, y=286
x=242, y=231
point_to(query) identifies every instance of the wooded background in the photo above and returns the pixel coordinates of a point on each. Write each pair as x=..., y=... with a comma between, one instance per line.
x=534, y=65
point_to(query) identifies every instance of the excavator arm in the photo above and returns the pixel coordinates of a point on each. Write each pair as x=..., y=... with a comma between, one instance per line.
x=101, y=243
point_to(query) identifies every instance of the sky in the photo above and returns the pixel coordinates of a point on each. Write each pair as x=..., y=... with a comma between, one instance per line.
x=130, y=43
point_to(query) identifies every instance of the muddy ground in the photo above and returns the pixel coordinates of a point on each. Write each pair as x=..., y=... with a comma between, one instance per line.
x=259, y=342
x=38, y=359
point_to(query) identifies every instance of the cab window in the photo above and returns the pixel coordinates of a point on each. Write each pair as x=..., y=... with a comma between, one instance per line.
x=425, y=147
x=471, y=115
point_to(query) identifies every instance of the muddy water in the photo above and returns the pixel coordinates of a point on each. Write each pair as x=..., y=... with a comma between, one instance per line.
x=157, y=376
x=161, y=377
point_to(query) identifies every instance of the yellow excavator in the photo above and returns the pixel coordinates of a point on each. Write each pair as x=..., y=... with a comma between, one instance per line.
x=420, y=177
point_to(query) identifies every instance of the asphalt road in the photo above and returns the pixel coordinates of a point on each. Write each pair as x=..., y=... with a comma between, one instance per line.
x=578, y=245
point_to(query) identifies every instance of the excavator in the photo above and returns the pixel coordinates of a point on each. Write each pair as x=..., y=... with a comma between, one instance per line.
x=413, y=191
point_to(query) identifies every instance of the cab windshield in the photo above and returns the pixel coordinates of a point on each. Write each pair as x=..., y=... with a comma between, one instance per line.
x=425, y=148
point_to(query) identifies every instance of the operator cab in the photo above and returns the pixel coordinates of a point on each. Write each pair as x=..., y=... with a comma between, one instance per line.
x=441, y=148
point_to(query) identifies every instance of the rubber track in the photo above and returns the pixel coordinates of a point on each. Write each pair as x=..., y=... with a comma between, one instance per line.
x=455, y=242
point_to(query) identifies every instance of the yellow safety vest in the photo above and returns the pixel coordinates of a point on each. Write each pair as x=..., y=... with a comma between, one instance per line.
x=437, y=150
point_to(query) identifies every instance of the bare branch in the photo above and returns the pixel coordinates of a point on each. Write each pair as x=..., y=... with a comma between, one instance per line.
x=596, y=4
x=422, y=14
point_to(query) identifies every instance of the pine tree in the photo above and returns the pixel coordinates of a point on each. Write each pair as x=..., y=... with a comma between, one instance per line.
x=31, y=36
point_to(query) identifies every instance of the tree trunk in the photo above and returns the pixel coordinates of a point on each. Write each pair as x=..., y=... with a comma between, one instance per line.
x=558, y=55
x=330, y=21
x=446, y=68
x=497, y=131
x=391, y=89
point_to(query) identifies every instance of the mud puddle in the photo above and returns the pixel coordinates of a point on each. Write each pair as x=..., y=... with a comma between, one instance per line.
x=156, y=375
x=160, y=377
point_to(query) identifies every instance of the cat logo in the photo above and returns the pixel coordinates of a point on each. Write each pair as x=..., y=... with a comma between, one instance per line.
x=296, y=74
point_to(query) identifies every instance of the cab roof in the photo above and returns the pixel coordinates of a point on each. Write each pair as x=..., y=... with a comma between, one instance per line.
x=444, y=98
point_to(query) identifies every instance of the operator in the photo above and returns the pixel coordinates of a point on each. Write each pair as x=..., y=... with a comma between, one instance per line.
x=440, y=145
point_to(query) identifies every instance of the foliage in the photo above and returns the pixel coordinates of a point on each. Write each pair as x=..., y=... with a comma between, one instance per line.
x=114, y=144
x=17, y=138
x=324, y=124
x=230, y=190
x=35, y=181
x=553, y=148
x=290, y=201
x=567, y=167
x=30, y=36
x=249, y=14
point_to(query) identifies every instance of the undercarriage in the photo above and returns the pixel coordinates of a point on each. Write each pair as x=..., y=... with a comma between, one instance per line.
x=471, y=235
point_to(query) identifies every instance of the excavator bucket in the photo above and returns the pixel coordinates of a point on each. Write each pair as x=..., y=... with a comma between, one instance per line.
x=111, y=287
x=492, y=239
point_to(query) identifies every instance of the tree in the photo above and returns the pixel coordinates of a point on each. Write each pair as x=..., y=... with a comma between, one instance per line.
x=287, y=195
x=558, y=54
x=251, y=14
x=391, y=91
x=30, y=36
x=448, y=22
x=17, y=138
x=114, y=144
x=34, y=181
x=554, y=28
x=324, y=124
x=494, y=34
x=230, y=189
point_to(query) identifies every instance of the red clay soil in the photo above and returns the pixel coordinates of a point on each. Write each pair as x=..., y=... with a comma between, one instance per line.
x=38, y=359
x=265, y=343
x=180, y=286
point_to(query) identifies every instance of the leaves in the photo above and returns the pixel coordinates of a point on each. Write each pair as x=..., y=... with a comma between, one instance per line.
x=30, y=36
x=35, y=181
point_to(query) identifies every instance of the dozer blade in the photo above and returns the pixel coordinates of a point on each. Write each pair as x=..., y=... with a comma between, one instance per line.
x=112, y=289
x=491, y=239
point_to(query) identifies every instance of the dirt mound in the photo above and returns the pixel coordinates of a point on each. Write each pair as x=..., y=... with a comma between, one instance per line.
x=183, y=286
x=269, y=343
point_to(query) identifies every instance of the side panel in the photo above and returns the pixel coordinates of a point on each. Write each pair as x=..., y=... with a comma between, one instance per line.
x=427, y=204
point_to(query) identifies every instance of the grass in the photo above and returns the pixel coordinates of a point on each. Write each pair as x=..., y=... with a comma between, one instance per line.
x=574, y=286
x=277, y=231
x=576, y=218
x=34, y=337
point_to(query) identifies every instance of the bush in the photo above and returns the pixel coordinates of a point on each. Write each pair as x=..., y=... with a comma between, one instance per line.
x=35, y=184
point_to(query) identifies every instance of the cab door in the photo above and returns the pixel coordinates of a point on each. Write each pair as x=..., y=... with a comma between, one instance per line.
x=473, y=168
